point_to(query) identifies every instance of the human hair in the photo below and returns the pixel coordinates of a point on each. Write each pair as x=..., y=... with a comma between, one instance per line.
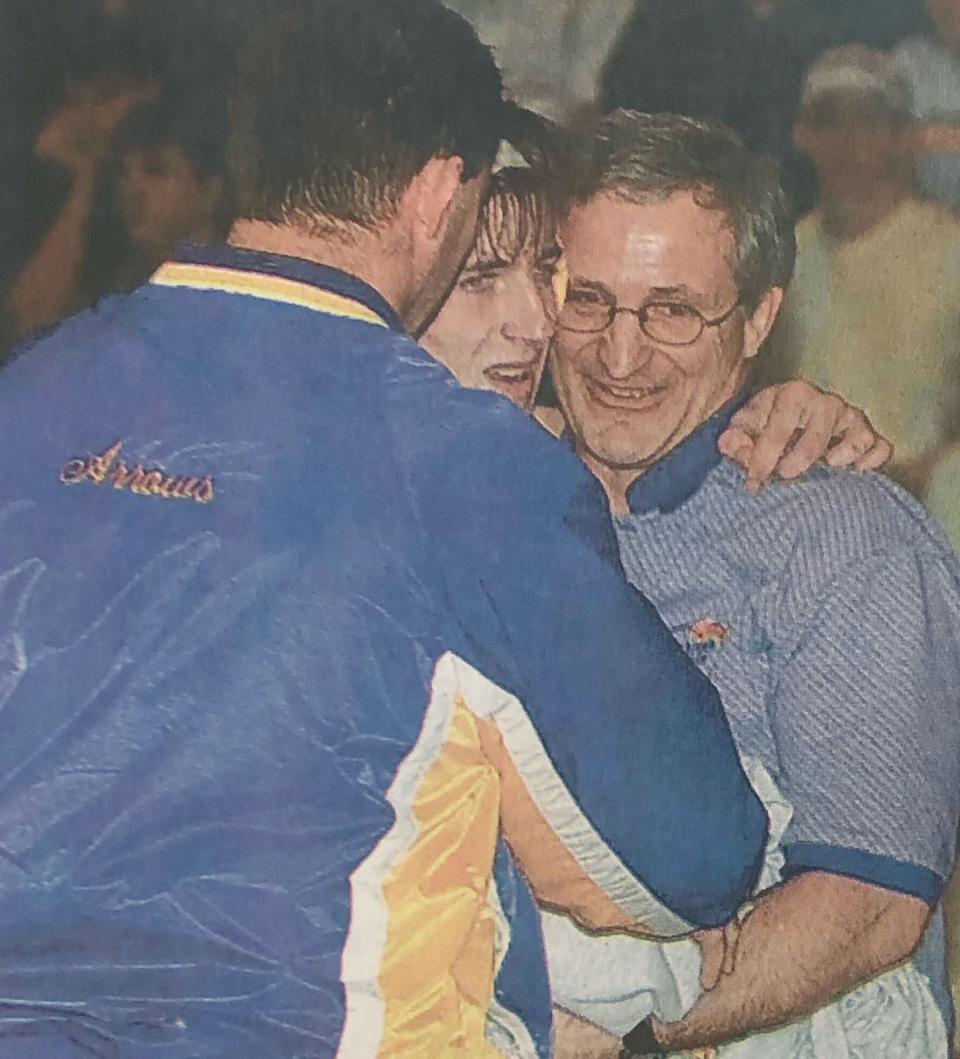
x=645, y=158
x=198, y=130
x=528, y=194
x=338, y=104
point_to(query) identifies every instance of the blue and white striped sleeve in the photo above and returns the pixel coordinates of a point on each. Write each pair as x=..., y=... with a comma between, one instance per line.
x=866, y=714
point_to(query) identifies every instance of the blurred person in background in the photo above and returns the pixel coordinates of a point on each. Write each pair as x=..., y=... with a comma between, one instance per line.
x=75, y=141
x=874, y=308
x=717, y=60
x=931, y=64
x=816, y=26
x=48, y=53
x=167, y=186
x=70, y=74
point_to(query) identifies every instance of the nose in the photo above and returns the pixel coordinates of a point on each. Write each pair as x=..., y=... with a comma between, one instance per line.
x=624, y=349
x=525, y=315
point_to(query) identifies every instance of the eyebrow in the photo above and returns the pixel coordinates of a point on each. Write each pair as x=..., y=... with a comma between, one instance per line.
x=592, y=284
x=681, y=290
x=487, y=265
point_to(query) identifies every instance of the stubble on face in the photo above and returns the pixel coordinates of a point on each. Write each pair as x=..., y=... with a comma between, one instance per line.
x=456, y=242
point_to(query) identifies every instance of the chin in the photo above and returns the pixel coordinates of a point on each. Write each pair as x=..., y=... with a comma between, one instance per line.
x=631, y=452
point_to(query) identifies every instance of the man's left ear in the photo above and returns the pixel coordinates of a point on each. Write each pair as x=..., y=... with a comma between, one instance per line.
x=760, y=323
x=432, y=195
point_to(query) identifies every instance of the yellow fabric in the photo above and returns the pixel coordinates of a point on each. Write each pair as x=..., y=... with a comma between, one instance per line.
x=438, y=900
x=256, y=285
x=878, y=320
x=555, y=876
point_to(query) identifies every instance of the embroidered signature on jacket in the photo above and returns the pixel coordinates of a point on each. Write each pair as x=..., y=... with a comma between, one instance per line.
x=109, y=469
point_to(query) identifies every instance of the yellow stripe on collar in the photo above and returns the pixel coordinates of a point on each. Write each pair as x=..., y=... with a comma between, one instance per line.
x=258, y=285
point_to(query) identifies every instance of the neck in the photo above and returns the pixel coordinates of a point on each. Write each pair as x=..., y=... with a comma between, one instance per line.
x=849, y=218
x=369, y=256
x=616, y=481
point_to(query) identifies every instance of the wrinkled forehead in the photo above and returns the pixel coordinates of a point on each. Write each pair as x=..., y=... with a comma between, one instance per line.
x=517, y=219
x=675, y=242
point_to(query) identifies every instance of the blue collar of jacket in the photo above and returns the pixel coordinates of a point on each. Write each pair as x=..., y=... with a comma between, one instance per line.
x=674, y=479
x=299, y=270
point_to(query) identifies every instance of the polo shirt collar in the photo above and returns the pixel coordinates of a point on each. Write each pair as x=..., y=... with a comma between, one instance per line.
x=674, y=479
x=292, y=280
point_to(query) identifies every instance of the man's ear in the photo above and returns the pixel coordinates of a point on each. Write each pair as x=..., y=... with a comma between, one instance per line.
x=760, y=323
x=429, y=200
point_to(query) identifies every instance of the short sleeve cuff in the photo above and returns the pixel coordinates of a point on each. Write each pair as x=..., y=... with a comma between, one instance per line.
x=891, y=874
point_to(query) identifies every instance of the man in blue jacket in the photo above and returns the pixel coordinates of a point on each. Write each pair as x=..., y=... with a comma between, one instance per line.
x=304, y=649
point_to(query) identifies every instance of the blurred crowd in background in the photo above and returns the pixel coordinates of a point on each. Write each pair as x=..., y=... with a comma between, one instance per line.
x=113, y=140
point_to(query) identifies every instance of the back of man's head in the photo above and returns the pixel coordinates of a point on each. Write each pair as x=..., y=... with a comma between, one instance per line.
x=649, y=157
x=338, y=104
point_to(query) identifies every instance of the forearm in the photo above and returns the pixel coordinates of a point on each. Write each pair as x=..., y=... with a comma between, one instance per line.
x=806, y=943
x=46, y=289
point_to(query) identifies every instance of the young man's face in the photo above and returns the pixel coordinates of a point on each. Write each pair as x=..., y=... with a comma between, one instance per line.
x=628, y=398
x=494, y=329
x=163, y=200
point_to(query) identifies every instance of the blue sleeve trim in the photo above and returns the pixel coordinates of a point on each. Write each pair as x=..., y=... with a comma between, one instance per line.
x=869, y=867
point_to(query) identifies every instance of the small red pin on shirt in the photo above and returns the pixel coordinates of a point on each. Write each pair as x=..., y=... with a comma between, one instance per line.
x=706, y=630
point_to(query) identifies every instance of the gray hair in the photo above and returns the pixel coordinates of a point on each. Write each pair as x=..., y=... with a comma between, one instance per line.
x=644, y=158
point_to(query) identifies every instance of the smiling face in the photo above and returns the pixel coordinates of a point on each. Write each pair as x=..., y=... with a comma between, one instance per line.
x=627, y=398
x=495, y=327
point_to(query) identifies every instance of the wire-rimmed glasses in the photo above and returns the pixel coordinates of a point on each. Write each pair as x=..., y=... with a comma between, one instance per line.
x=672, y=323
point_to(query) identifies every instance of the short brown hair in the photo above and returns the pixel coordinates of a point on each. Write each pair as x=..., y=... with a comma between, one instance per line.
x=338, y=104
x=648, y=157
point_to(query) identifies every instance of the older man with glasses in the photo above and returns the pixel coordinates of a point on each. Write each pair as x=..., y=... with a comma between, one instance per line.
x=826, y=612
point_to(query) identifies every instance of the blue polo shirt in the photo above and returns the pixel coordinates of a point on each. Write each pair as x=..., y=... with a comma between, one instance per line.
x=827, y=613
x=314, y=668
